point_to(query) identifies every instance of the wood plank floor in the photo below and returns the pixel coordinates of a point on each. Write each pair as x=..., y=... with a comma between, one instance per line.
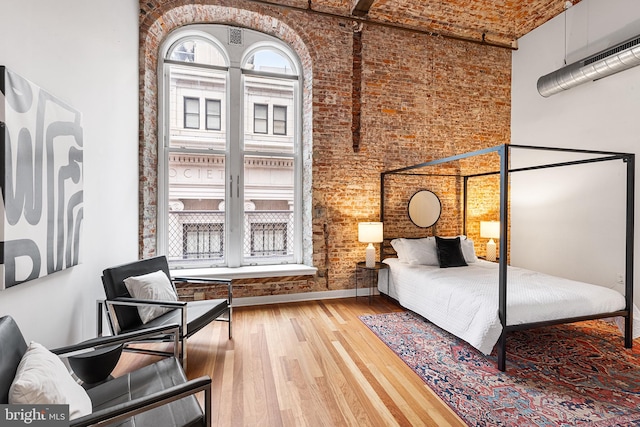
x=308, y=364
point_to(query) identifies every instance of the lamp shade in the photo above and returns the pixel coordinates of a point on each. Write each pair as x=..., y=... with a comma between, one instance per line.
x=490, y=229
x=370, y=232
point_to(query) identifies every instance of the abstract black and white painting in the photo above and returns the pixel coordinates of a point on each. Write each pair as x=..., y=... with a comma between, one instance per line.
x=41, y=168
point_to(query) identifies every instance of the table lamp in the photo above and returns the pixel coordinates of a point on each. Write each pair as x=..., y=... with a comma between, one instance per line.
x=490, y=230
x=370, y=232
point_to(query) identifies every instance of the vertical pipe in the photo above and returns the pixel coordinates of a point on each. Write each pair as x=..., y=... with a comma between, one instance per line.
x=356, y=88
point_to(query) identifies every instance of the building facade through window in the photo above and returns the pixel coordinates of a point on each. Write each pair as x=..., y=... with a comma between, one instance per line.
x=229, y=158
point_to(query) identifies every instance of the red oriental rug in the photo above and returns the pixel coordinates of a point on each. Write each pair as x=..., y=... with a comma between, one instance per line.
x=567, y=375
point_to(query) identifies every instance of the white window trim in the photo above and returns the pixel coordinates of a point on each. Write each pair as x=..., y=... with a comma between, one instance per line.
x=300, y=254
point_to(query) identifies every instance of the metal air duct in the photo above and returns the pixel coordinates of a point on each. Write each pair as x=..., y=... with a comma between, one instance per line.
x=610, y=61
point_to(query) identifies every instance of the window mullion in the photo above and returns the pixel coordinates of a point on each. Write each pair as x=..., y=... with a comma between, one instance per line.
x=234, y=190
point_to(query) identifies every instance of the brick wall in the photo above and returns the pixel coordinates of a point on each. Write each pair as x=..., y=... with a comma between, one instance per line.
x=422, y=97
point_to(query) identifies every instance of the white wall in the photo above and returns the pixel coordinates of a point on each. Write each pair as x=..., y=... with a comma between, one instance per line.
x=570, y=221
x=86, y=53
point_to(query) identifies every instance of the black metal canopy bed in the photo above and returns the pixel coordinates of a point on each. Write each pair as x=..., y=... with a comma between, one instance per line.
x=484, y=301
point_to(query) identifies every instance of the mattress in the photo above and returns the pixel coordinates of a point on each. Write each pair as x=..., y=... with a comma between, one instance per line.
x=464, y=300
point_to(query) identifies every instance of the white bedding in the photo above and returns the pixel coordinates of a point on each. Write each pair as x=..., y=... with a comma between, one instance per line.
x=464, y=300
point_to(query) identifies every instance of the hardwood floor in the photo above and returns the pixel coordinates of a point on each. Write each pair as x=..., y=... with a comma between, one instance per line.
x=308, y=364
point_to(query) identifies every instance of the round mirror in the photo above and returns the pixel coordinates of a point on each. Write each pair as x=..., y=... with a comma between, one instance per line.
x=424, y=208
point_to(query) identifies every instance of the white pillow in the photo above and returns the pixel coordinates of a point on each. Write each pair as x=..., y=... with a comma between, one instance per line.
x=42, y=379
x=421, y=251
x=153, y=286
x=468, y=250
x=416, y=251
x=396, y=244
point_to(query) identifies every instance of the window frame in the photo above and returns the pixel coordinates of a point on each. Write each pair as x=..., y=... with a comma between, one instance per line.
x=186, y=114
x=204, y=229
x=265, y=119
x=283, y=121
x=300, y=231
x=208, y=114
x=266, y=228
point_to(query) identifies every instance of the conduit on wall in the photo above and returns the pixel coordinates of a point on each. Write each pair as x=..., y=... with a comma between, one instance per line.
x=602, y=64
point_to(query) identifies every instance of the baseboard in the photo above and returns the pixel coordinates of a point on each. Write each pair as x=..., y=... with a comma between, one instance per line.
x=302, y=296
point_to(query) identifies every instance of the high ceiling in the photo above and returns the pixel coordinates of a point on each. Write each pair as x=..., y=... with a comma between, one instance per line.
x=499, y=22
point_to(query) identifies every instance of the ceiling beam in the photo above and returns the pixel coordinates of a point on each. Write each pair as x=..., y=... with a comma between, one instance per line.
x=361, y=8
x=509, y=44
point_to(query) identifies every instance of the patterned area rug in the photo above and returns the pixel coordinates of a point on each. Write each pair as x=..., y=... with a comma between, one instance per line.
x=565, y=375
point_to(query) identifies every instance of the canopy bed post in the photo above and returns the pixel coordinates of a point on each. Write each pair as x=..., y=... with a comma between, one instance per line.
x=465, y=180
x=502, y=271
x=382, y=175
x=628, y=325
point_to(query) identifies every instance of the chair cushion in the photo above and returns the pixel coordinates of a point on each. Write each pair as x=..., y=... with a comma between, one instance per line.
x=199, y=315
x=153, y=286
x=42, y=379
x=144, y=381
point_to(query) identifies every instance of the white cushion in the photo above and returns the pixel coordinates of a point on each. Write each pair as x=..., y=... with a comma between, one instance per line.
x=42, y=379
x=154, y=286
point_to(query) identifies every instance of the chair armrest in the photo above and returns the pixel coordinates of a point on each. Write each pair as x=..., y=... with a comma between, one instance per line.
x=209, y=280
x=146, y=403
x=138, y=302
x=124, y=338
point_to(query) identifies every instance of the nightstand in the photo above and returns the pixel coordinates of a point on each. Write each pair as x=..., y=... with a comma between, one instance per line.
x=367, y=277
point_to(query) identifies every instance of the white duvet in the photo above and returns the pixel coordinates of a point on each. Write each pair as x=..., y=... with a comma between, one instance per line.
x=464, y=300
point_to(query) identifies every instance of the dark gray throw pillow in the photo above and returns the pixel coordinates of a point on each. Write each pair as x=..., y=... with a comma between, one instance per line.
x=450, y=252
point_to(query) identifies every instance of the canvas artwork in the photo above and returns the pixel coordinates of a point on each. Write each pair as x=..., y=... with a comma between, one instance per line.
x=41, y=168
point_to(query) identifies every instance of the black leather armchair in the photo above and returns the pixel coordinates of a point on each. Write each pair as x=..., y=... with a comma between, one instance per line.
x=151, y=395
x=122, y=313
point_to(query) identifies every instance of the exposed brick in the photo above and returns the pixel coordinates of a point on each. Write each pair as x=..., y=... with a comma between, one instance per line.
x=423, y=98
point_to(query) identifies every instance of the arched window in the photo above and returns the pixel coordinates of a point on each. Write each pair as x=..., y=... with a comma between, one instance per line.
x=229, y=158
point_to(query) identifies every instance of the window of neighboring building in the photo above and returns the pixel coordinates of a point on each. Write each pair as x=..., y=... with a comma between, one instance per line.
x=191, y=113
x=260, y=118
x=214, y=116
x=203, y=240
x=268, y=238
x=230, y=197
x=279, y=119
